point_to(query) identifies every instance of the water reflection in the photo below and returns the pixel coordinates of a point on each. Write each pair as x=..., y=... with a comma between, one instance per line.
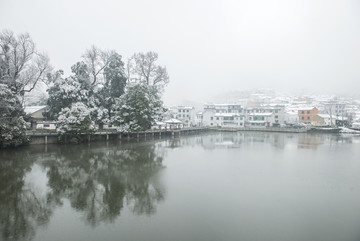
x=22, y=208
x=98, y=181
x=101, y=180
x=245, y=139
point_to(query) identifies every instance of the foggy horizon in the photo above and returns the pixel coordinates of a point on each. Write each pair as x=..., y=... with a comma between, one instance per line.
x=208, y=48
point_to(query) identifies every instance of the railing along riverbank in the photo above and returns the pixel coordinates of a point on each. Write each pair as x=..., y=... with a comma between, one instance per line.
x=51, y=136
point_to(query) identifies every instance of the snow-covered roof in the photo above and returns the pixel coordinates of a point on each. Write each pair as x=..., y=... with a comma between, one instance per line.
x=46, y=122
x=227, y=114
x=32, y=109
x=261, y=114
x=257, y=121
x=182, y=107
x=306, y=108
x=173, y=121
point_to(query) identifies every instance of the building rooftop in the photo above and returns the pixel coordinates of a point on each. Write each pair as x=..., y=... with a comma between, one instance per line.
x=306, y=108
x=227, y=114
x=32, y=109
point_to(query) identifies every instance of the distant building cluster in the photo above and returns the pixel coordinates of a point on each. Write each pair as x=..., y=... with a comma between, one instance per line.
x=258, y=111
x=262, y=111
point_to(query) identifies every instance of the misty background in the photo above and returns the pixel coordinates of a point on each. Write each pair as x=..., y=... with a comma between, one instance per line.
x=208, y=47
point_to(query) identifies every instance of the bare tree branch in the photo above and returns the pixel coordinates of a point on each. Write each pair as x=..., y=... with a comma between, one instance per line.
x=144, y=67
x=21, y=65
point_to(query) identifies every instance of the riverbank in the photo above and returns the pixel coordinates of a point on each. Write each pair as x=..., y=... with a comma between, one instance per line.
x=44, y=137
x=48, y=137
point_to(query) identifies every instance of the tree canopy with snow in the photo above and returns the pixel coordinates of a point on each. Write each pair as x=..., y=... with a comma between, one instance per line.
x=22, y=67
x=74, y=122
x=138, y=108
x=12, y=123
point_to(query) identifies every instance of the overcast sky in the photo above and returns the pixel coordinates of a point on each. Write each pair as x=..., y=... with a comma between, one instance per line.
x=208, y=47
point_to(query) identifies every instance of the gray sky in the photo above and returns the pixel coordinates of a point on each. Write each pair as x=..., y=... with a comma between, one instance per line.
x=207, y=46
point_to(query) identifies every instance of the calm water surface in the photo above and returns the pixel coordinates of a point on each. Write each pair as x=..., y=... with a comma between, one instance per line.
x=221, y=186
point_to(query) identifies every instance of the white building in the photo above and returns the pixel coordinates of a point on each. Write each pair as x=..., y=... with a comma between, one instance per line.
x=277, y=111
x=291, y=117
x=328, y=120
x=335, y=108
x=185, y=114
x=233, y=120
x=260, y=120
x=223, y=108
x=226, y=115
x=45, y=125
x=199, y=118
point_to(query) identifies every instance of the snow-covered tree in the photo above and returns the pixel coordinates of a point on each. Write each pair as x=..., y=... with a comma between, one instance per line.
x=21, y=65
x=114, y=87
x=95, y=81
x=74, y=122
x=138, y=108
x=63, y=93
x=12, y=123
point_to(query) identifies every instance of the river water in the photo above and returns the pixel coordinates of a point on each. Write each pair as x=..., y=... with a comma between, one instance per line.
x=220, y=186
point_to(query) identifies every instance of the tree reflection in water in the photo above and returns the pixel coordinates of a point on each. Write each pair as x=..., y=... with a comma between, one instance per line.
x=22, y=208
x=98, y=181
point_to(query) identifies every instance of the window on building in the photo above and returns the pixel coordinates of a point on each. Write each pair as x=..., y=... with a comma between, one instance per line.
x=46, y=125
x=302, y=112
x=276, y=116
x=259, y=118
x=187, y=110
x=308, y=112
x=211, y=118
x=308, y=118
x=228, y=118
x=302, y=118
x=217, y=118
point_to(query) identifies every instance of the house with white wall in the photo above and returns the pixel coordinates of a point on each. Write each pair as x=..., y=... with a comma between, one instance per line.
x=277, y=111
x=227, y=115
x=260, y=120
x=291, y=118
x=45, y=125
x=233, y=120
x=186, y=114
x=223, y=108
